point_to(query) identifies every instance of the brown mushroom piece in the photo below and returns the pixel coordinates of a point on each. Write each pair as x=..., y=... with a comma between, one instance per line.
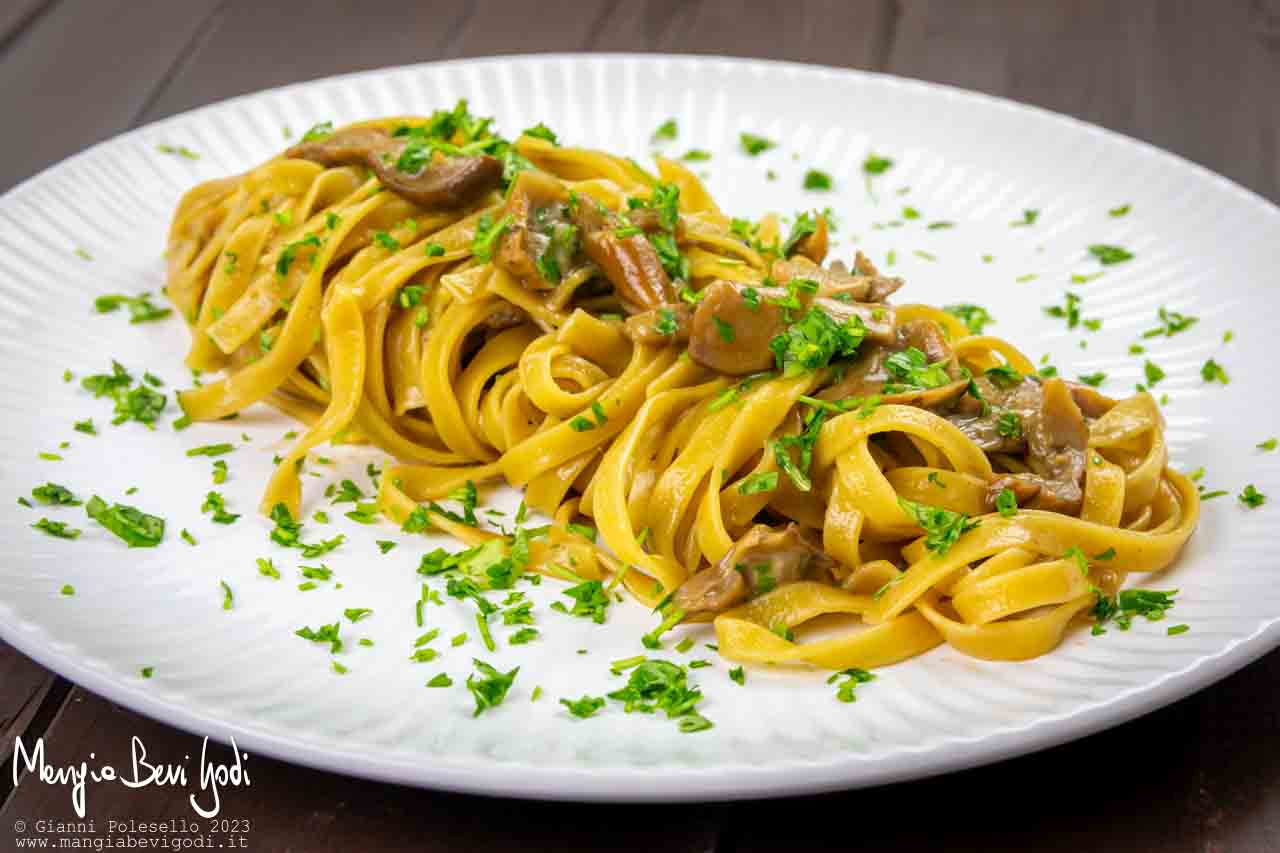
x=868, y=375
x=630, y=263
x=349, y=147
x=1057, y=438
x=732, y=328
x=452, y=182
x=880, y=321
x=539, y=223
x=926, y=336
x=880, y=287
x=666, y=324
x=1092, y=403
x=979, y=420
x=503, y=316
x=835, y=281
x=763, y=559
x=814, y=245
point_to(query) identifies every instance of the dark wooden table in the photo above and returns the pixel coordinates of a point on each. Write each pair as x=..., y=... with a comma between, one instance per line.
x=1198, y=78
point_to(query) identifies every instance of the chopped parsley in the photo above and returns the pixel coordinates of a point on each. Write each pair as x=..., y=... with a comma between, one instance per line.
x=658, y=685
x=1093, y=379
x=582, y=423
x=942, y=527
x=845, y=690
x=1211, y=371
x=1149, y=603
x=324, y=634
x=140, y=308
x=1268, y=445
x=754, y=145
x=135, y=527
x=761, y=481
x=1153, y=372
x=1108, y=255
x=178, y=151
x=873, y=166
x=975, y=317
x=804, y=225
x=817, y=180
x=738, y=676
x=228, y=599
x=52, y=494
x=211, y=450
x=524, y=635
x=215, y=503
x=487, y=235
x=1070, y=310
x=1122, y=210
x=1007, y=503
x=319, y=131
x=666, y=324
x=797, y=470
x=140, y=403
x=724, y=330
x=1003, y=376
x=1251, y=497
x=816, y=339
x=1171, y=322
x=290, y=252
x=1009, y=425
x=488, y=686
x=57, y=529
x=667, y=130
x=912, y=371
x=585, y=707
x=590, y=601
x=541, y=131
x=1029, y=217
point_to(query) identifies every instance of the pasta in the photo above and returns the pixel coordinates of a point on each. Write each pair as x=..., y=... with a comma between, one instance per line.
x=710, y=416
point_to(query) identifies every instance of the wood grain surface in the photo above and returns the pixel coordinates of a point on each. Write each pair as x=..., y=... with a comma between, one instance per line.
x=1201, y=79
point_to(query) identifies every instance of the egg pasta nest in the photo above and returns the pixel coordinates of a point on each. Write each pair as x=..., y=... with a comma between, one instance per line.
x=710, y=415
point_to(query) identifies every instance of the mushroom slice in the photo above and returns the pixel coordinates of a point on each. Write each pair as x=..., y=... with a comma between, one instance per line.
x=733, y=326
x=539, y=245
x=451, y=182
x=666, y=324
x=1056, y=440
x=763, y=559
x=628, y=260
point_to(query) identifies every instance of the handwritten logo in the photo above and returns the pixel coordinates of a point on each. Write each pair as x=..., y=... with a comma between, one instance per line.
x=141, y=774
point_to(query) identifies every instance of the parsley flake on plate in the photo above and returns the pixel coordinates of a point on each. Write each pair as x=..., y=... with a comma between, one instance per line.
x=1108, y=255
x=585, y=707
x=137, y=528
x=754, y=145
x=489, y=686
x=666, y=131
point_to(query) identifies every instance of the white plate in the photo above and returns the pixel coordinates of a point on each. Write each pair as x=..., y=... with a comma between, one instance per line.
x=1204, y=246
